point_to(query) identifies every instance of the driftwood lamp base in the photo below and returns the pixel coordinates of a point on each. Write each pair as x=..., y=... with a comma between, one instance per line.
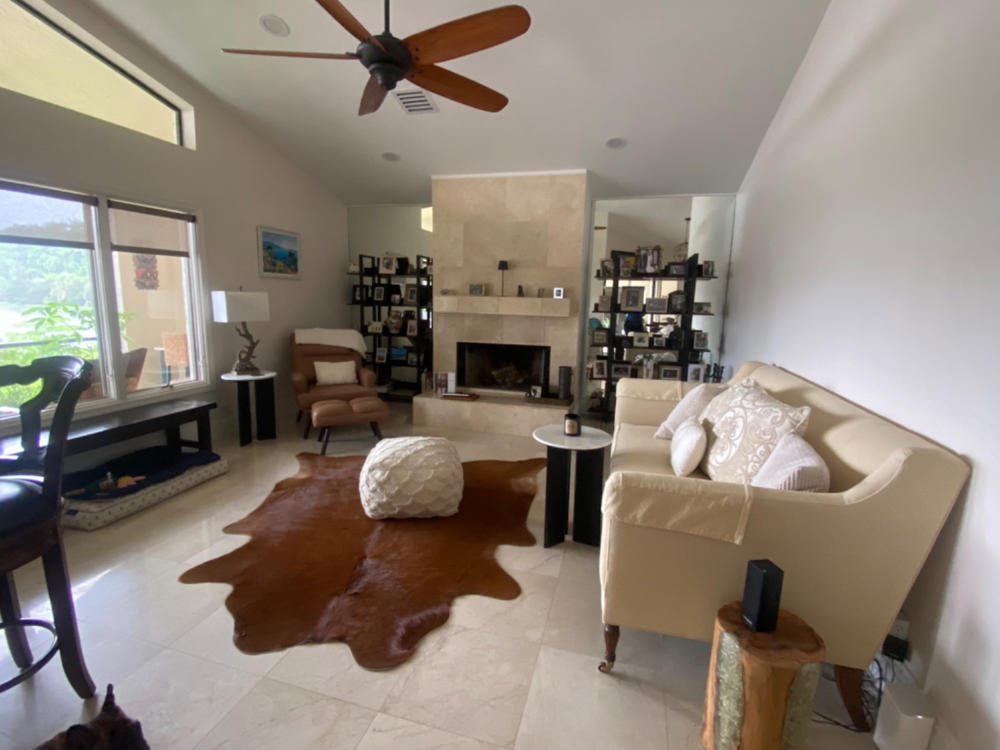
x=761, y=686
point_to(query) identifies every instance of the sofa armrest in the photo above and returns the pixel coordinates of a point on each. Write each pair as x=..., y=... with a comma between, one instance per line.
x=299, y=382
x=366, y=377
x=649, y=402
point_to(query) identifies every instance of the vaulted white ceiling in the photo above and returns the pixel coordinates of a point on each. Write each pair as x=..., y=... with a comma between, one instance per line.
x=691, y=85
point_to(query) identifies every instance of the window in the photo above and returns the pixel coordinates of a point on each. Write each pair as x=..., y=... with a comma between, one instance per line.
x=122, y=299
x=42, y=60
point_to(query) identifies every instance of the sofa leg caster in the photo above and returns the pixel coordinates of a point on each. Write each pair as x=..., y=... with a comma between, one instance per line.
x=611, y=633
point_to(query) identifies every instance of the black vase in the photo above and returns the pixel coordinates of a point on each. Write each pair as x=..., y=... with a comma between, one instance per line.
x=565, y=381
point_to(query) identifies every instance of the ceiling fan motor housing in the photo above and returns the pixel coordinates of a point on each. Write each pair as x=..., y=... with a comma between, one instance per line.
x=390, y=65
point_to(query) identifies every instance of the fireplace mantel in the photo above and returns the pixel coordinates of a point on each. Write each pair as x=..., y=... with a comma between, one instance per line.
x=541, y=307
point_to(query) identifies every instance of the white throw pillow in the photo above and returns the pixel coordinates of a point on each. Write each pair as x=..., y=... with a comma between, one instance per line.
x=744, y=425
x=794, y=465
x=687, y=446
x=336, y=373
x=693, y=403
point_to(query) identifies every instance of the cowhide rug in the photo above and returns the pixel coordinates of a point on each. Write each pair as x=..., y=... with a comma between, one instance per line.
x=317, y=569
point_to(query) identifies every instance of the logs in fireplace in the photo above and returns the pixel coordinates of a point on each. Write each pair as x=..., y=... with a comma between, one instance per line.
x=508, y=367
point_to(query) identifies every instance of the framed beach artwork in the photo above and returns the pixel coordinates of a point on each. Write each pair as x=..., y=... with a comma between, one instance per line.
x=278, y=253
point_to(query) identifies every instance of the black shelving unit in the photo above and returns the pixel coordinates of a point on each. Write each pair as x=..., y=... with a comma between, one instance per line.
x=398, y=378
x=681, y=339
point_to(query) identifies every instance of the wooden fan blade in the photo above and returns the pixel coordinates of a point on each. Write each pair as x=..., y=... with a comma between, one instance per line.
x=277, y=53
x=466, y=35
x=372, y=97
x=457, y=88
x=343, y=16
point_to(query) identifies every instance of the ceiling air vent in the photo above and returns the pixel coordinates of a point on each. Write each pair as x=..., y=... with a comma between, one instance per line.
x=415, y=101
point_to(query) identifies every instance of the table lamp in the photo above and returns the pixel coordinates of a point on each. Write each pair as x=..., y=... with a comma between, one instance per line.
x=501, y=267
x=240, y=307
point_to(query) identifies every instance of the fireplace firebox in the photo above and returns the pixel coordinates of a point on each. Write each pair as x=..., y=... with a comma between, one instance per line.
x=508, y=367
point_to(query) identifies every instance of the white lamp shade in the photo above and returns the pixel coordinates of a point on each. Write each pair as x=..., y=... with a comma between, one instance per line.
x=239, y=307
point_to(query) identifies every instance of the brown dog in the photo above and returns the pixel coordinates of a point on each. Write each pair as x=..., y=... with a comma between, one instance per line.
x=111, y=729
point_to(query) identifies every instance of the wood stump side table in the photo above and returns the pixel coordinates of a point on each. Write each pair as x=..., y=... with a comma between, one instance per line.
x=761, y=686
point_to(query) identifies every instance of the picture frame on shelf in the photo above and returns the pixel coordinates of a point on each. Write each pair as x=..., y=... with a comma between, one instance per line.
x=658, y=342
x=412, y=358
x=640, y=340
x=375, y=326
x=557, y=292
x=677, y=269
x=477, y=290
x=413, y=327
x=535, y=391
x=411, y=294
x=696, y=373
x=600, y=369
x=631, y=298
x=656, y=305
x=395, y=322
x=621, y=370
x=651, y=262
x=387, y=265
x=701, y=308
x=440, y=382
x=604, y=303
x=607, y=268
x=357, y=293
x=669, y=372
x=381, y=355
x=600, y=337
x=627, y=265
x=708, y=269
x=699, y=339
x=676, y=303
x=378, y=294
x=278, y=253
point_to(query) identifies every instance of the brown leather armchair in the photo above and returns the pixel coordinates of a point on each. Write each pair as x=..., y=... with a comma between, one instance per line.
x=307, y=392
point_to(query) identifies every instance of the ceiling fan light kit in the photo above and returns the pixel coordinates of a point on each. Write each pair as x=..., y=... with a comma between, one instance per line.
x=389, y=59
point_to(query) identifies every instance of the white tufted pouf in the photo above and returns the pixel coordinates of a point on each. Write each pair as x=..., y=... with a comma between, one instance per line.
x=411, y=477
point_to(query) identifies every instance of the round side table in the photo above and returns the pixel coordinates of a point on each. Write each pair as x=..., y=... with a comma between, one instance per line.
x=589, y=446
x=263, y=396
x=761, y=686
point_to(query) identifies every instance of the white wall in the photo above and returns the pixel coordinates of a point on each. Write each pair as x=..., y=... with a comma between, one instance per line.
x=234, y=180
x=865, y=259
x=392, y=229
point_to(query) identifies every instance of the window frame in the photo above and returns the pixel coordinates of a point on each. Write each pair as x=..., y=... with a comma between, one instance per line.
x=106, y=307
x=178, y=114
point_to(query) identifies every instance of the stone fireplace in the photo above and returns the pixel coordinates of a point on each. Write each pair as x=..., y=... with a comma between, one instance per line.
x=507, y=367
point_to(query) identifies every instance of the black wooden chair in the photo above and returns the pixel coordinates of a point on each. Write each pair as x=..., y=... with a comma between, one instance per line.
x=30, y=511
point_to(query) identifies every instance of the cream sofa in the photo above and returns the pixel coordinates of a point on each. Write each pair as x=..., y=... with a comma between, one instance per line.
x=673, y=550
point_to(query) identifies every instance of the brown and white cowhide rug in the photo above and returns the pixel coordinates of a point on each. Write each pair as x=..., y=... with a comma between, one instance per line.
x=317, y=569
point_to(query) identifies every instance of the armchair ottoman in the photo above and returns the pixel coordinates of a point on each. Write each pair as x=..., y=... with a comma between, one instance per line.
x=333, y=413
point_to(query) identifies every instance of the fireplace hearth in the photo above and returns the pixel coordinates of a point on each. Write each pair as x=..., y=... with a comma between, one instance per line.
x=508, y=367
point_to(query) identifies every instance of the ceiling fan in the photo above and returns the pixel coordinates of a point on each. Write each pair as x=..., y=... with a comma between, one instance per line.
x=389, y=59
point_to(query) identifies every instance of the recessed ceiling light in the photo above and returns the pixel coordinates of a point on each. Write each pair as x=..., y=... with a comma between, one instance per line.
x=390, y=156
x=273, y=24
x=616, y=143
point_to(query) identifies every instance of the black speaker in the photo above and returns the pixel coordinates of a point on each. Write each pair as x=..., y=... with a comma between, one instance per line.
x=762, y=595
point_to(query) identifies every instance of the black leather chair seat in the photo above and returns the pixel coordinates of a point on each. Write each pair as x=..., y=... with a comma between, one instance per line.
x=21, y=504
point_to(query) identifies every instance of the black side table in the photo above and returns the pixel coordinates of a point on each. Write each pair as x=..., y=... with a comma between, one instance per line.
x=263, y=392
x=589, y=483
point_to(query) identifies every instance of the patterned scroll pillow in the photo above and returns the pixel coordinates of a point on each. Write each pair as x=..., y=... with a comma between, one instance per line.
x=744, y=424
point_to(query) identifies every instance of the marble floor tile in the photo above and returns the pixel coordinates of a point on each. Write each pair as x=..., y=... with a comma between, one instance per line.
x=392, y=733
x=573, y=706
x=212, y=639
x=523, y=617
x=471, y=682
x=543, y=561
x=180, y=698
x=329, y=669
x=276, y=716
